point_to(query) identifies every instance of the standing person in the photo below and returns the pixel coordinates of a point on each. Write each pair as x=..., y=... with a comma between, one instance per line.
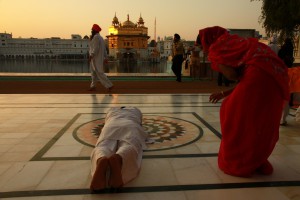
x=250, y=113
x=286, y=53
x=119, y=148
x=273, y=44
x=178, y=52
x=97, y=58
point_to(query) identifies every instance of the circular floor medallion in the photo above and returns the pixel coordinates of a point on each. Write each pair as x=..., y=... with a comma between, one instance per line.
x=164, y=132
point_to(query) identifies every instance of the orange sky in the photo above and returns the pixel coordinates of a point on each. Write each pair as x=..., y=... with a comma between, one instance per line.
x=61, y=18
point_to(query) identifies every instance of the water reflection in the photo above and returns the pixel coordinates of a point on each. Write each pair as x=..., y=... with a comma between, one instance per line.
x=79, y=66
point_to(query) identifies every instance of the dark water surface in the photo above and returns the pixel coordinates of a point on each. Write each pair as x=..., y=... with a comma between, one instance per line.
x=79, y=66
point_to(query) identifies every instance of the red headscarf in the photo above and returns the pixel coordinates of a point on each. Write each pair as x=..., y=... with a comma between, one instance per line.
x=96, y=28
x=235, y=51
x=209, y=35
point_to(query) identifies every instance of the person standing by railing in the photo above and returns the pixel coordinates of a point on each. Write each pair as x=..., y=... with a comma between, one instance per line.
x=286, y=53
x=178, y=52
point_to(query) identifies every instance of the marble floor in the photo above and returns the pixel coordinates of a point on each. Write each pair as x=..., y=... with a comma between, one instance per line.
x=46, y=140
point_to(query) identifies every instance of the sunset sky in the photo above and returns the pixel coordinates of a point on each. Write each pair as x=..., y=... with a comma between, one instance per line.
x=61, y=18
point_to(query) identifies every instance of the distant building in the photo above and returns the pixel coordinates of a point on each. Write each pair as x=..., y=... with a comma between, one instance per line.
x=244, y=32
x=49, y=48
x=153, y=52
x=128, y=41
x=165, y=46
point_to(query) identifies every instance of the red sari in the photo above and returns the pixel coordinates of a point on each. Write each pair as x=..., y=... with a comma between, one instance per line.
x=250, y=115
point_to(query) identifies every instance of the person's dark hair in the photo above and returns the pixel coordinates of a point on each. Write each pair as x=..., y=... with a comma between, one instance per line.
x=286, y=52
x=177, y=36
x=288, y=42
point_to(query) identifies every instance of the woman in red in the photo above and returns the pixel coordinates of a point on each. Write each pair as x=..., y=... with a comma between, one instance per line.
x=250, y=114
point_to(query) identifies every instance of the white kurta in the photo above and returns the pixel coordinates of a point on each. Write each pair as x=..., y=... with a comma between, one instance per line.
x=297, y=115
x=98, y=51
x=122, y=134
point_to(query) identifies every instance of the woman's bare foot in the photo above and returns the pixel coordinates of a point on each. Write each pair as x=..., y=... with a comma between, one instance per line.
x=115, y=164
x=99, y=178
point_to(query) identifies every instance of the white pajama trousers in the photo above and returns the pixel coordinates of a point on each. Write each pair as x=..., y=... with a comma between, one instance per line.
x=131, y=160
x=97, y=75
x=285, y=112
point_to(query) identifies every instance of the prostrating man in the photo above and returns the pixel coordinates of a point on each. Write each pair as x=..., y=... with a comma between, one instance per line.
x=119, y=148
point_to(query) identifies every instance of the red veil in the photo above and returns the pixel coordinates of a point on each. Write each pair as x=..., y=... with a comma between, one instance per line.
x=209, y=35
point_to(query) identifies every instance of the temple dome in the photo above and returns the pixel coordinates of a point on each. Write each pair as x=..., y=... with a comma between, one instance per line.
x=128, y=23
x=141, y=20
x=115, y=21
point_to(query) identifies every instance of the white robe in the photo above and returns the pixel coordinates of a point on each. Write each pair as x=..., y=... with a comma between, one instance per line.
x=122, y=134
x=297, y=115
x=98, y=51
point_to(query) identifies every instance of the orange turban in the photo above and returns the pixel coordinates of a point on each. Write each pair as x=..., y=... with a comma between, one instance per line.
x=96, y=28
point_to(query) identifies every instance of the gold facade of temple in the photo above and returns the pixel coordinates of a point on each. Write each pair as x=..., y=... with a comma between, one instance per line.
x=127, y=40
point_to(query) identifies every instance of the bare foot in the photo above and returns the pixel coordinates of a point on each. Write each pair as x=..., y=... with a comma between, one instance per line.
x=265, y=169
x=110, y=89
x=115, y=164
x=99, y=178
x=92, y=89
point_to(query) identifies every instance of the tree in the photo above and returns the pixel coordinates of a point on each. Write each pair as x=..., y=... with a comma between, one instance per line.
x=281, y=17
x=152, y=43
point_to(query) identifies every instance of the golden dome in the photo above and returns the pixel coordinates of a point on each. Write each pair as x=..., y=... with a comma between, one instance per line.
x=115, y=20
x=128, y=23
x=141, y=20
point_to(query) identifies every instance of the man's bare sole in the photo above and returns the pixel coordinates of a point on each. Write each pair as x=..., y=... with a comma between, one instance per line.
x=115, y=164
x=99, y=178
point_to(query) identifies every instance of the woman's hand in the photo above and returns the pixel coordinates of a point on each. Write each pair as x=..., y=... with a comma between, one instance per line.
x=215, y=97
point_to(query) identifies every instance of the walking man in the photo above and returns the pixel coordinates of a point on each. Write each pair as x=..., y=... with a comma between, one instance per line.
x=97, y=58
